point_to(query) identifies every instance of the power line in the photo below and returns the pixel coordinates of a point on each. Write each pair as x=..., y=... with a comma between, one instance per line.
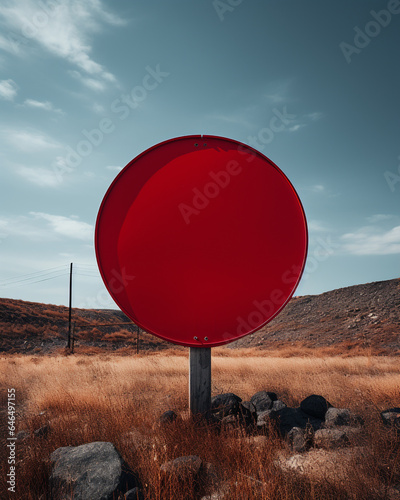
x=33, y=276
x=46, y=279
x=33, y=282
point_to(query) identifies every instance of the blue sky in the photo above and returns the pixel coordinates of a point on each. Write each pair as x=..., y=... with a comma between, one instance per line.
x=87, y=85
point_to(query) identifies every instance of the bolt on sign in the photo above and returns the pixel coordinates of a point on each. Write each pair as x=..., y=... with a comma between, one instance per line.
x=207, y=236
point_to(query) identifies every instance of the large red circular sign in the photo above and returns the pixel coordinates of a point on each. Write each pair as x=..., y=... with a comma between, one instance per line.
x=201, y=240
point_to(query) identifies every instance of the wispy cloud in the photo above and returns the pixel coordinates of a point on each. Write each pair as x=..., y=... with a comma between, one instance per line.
x=373, y=219
x=29, y=140
x=19, y=226
x=277, y=92
x=316, y=226
x=40, y=227
x=233, y=118
x=9, y=45
x=8, y=89
x=296, y=127
x=91, y=83
x=318, y=188
x=114, y=168
x=372, y=240
x=43, y=105
x=98, y=108
x=39, y=176
x=70, y=227
x=317, y=115
x=65, y=29
x=304, y=120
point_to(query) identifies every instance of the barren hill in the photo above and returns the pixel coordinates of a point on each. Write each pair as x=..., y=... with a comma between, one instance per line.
x=358, y=316
x=40, y=328
x=363, y=315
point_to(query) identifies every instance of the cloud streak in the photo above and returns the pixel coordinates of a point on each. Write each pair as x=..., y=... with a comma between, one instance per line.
x=29, y=140
x=70, y=227
x=62, y=28
x=8, y=89
x=30, y=227
x=43, y=105
x=39, y=176
x=372, y=240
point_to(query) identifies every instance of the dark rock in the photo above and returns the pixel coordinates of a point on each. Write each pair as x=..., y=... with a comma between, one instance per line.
x=330, y=439
x=210, y=482
x=278, y=405
x=42, y=432
x=391, y=417
x=300, y=440
x=263, y=400
x=287, y=418
x=247, y=414
x=183, y=468
x=225, y=404
x=315, y=405
x=341, y=416
x=134, y=494
x=93, y=471
x=22, y=435
x=353, y=433
x=211, y=476
x=211, y=420
x=265, y=419
x=222, y=493
x=168, y=417
x=230, y=421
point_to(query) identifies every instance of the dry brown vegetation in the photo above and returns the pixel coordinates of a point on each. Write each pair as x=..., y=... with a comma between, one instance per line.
x=119, y=398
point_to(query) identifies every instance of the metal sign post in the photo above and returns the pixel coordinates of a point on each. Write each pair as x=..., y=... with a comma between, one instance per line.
x=200, y=380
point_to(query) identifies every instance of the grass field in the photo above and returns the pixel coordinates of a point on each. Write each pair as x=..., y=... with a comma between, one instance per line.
x=104, y=397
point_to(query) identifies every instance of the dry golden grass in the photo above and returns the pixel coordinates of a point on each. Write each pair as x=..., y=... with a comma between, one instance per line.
x=103, y=397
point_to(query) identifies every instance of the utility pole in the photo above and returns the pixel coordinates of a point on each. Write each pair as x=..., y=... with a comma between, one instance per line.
x=73, y=339
x=70, y=307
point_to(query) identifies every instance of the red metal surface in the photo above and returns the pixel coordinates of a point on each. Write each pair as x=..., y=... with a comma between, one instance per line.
x=201, y=240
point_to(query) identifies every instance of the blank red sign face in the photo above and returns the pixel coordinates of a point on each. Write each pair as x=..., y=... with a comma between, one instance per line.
x=201, y=240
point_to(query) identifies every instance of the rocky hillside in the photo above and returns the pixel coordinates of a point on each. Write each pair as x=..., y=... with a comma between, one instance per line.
x=30, y=327
x=358, y=316
x=361, y=315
